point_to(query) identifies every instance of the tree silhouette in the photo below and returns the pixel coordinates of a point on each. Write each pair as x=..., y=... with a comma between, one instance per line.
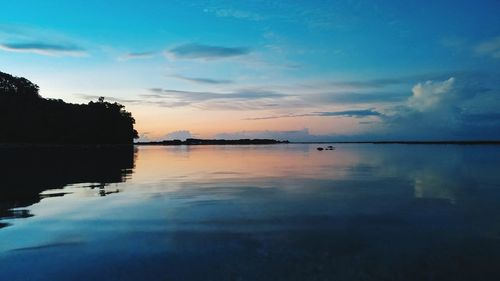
x=25, y=117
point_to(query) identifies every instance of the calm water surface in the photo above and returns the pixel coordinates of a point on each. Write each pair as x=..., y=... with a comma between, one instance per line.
x=279, y=212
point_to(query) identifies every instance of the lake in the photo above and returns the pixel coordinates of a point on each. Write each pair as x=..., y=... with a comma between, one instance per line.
x=270, y=212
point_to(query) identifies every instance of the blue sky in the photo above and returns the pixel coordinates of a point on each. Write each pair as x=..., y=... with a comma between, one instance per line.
x=303, y=70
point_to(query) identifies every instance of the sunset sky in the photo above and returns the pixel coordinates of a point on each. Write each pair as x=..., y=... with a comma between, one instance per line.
x=298, y=70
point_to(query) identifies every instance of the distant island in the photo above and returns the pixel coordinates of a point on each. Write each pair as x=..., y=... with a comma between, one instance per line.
x=192, y=141
x=27, y=118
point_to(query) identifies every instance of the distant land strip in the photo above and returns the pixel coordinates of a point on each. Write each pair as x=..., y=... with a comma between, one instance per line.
x=213, y=142
x=482, y=142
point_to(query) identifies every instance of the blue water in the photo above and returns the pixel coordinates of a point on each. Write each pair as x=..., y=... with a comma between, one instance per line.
x=277, y=212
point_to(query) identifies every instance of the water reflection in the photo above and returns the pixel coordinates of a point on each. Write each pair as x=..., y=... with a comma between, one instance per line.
x=285, y=212
x=27, y=172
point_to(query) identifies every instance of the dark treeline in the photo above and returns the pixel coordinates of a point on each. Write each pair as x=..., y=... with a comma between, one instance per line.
x=25, y=117
x=27, y=171
x=212, y=142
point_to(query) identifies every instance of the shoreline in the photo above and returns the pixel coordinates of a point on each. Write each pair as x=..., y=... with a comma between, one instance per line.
x=496, y=142
x=101, y=146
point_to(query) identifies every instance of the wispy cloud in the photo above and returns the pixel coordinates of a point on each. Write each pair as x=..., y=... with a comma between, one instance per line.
x=453, y=42
x=205, y=96
x=373, y=83
x=137, y=55
x=345, y=113
x=202, y=80
x=358, y=97
x=107, y=98
x=311, y=16
x=46, y=49
x=243, y=99
x=160, y=103
x=489, y=48
x=360, y=113
x=383, y=82
x=209, y=52
x=232, y=13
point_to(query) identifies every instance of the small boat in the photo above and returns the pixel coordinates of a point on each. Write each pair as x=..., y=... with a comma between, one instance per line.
x=320, y=149
x=330, y=147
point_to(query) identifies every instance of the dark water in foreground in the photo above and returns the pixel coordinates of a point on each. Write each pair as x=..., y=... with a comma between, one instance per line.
x=280, y=212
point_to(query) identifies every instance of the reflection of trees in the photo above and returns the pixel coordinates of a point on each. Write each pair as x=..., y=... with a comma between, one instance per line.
x=101, y=187
x=26, y=172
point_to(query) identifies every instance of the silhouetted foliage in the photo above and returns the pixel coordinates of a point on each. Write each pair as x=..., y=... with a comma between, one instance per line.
x=192, y=141
x=25, y=117
x=17, y=86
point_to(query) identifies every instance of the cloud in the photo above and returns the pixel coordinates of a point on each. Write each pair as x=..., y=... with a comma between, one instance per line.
x=137, y=55
x=192, y=96
x=448, y=109
x=108, y=99
x=453, y=42
x=464, y=106
x=169, y=104
x=232, y=13
x=358, y=97
x=46, y=49
x=371, y=83
x=318, y=16
x=209, y=52
x=383, y=82
x=430, y=94
x=489, y=48
x=379, y=91
x=429, y=108
x=242, y=99
x=202, y=80
x=350, y=113
x=346, y=113
x=160, y=103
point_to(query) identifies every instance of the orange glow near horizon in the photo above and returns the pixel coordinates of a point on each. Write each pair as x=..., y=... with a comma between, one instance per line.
x=157, y=122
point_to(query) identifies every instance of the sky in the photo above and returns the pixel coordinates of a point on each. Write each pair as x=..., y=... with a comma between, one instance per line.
x=299, y=70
